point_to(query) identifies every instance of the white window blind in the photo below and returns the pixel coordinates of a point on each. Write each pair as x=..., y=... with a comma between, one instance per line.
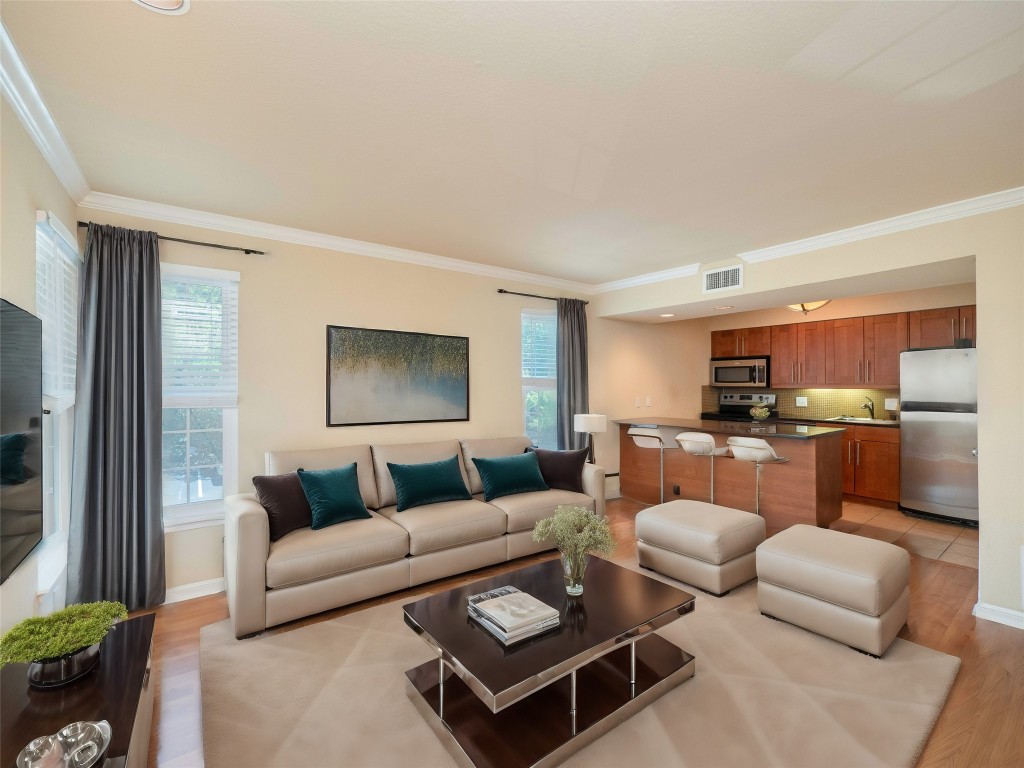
x=57, y=274
x=540, y=370
x=199, y=337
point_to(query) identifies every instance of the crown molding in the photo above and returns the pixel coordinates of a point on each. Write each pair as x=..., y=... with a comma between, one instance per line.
x=99, y=201
x=940, y=213
x=23, y=96
x=647, y=279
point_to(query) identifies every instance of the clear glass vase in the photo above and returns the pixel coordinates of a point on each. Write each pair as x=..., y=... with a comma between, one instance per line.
x=573, y=568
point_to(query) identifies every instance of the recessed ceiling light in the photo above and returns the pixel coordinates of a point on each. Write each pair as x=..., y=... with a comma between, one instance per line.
x=725, y=306
x=170, y=7
x=667, y=314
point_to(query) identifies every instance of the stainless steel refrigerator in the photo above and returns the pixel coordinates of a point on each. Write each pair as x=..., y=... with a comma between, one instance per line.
x=939, y=432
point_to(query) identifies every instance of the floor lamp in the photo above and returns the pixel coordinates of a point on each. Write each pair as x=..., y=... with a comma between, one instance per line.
x=590, y=423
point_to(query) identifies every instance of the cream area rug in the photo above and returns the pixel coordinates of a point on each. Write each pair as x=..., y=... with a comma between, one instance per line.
x=765, y=693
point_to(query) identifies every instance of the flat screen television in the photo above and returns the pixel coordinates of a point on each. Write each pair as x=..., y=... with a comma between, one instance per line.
x=21, y=435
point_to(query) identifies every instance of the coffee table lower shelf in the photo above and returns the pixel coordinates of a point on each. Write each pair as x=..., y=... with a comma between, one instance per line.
x=538, y=731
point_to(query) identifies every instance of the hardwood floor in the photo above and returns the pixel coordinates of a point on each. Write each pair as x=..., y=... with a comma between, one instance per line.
x=982, y=723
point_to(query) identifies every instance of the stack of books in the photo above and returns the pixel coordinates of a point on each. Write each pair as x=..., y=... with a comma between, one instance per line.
x=511, y=615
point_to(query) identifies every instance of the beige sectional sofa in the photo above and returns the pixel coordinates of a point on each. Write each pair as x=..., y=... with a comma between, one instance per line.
x=307, y=571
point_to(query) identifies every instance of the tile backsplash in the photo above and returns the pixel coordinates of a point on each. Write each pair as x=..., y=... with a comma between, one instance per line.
x=821, y=403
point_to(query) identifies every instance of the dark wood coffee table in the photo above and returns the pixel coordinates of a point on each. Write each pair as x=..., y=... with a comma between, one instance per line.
x=537, y=702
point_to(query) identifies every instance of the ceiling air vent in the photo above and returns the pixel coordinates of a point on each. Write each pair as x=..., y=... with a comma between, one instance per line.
x=723, y=279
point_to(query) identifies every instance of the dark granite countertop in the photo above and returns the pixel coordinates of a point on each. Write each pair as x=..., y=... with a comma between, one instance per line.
x=741, y=428
x=784, y=419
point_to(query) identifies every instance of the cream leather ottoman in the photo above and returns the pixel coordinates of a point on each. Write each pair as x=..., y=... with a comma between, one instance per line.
x=708, y=546
x=846, y=587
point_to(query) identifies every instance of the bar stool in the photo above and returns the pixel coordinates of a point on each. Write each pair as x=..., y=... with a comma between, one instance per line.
x=655, y=437
x=702, y=444
x=758, y=451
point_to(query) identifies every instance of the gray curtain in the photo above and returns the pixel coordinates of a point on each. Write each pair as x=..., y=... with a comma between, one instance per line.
x=116, y=545
x=573, y=383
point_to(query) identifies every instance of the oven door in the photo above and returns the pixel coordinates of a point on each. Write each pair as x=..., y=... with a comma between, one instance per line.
x=739, y=372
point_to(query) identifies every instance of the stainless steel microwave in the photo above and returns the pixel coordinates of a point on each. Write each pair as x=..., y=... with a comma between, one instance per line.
x=739, y=371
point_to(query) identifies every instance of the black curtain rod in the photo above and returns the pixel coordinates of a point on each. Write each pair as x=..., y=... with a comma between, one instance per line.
x=199, y=242
x=531, y=295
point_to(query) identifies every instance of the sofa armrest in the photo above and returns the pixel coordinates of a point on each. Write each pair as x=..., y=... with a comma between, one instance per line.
x=246, y=547
x=593, y=485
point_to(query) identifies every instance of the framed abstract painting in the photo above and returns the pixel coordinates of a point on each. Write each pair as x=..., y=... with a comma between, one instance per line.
x=395, y=377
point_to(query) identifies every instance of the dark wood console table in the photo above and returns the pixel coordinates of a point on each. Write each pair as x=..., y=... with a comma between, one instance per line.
x=119, y=691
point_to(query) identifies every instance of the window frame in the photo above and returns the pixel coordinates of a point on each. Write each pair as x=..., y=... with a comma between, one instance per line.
x=180, y=517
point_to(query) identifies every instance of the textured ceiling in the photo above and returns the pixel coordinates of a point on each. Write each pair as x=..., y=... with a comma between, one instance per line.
x=587, y=141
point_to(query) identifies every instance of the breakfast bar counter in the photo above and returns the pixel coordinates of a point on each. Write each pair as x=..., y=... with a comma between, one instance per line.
x=806, y=489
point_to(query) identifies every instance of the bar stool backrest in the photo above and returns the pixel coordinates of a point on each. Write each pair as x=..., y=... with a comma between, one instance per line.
x=696, y=443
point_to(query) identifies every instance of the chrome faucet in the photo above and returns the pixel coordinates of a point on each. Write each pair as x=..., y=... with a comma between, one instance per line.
x=869, y=406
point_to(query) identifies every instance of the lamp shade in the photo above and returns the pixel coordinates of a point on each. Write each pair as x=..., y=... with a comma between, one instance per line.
x=589, y=422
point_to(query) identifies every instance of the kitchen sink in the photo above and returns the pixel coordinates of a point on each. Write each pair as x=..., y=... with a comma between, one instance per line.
x=859, y=420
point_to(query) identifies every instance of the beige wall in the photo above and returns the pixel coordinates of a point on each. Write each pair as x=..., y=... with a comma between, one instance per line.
x=632, y=360
x=26, y=185
x=286, y=300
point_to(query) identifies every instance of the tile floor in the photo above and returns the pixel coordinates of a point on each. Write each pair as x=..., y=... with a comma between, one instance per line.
x=944, y=541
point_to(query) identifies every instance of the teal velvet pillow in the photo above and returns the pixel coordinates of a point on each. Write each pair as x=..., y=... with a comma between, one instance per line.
x=508, y=475
x=333, y=495
x=429, y=483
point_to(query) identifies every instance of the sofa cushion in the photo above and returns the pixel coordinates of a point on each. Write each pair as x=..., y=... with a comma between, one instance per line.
x=417, y=485
x=510, y=475
x=285, y=502
x=562, y=470
x=280, y=462
x=408, y=453
x=489, y=448
x=333, y=495
x=448, y=524
x=306, y=555
x=525, y=509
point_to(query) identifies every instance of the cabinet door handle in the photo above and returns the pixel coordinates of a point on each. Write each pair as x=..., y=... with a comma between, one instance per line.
x=849, y=452
x=952, y=328
x=737, y=346
x=858, y=453
x=867, y=369
x=963, y=328
x=800, y=369
x=858, y=372
x=792, y=374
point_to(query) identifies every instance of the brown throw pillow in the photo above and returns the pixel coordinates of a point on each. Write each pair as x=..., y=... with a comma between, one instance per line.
x=285, y=501
x=562, y=470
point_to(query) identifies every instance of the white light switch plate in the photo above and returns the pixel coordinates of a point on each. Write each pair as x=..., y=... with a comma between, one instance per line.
x=650, y=401
x=801, y=402
x=891, y=403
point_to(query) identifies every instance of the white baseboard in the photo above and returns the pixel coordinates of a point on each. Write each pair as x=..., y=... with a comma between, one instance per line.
x=1002, y=615
x=195, y=589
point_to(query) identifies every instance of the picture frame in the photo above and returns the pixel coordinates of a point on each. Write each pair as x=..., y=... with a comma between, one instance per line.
x=378, y=376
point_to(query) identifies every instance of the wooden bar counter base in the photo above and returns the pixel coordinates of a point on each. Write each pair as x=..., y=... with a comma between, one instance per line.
x=807, y=489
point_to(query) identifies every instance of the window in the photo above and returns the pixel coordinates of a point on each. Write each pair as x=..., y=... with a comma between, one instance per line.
x=200, y=392
x=539, y=331
x=57, y=271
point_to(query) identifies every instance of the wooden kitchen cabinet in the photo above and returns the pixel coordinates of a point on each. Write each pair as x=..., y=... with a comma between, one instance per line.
x=741, y=342
x=885, y=336
x=844, y=351
x=871, y=461
x=798, y=355
x=941, y=327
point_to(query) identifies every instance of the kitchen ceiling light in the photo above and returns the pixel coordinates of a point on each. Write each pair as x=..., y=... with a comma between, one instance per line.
x=808, y=306
x=169, y=7
x=667, y=314
x=725, y=306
